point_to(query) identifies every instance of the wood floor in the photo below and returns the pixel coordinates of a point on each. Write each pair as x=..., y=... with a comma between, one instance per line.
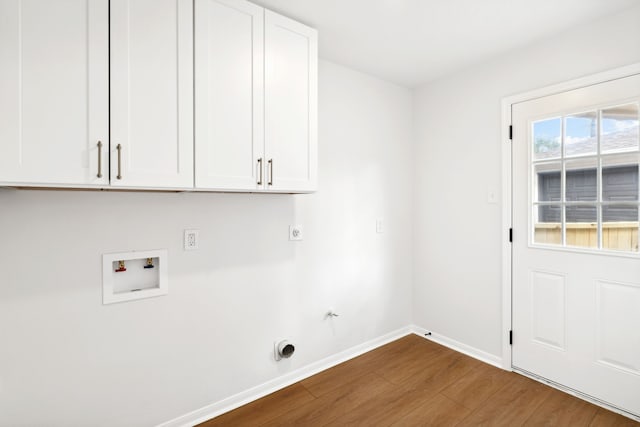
x=415, y=382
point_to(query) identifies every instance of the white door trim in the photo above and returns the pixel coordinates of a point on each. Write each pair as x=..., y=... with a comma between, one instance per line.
x=507, y=177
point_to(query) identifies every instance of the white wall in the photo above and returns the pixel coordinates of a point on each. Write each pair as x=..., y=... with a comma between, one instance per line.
x=65, y=359
x=457, y=273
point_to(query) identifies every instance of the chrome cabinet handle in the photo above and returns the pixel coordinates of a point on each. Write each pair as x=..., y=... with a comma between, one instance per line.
x=270, y=172
x=119, y=148
x=260, y=167
x=99, y=159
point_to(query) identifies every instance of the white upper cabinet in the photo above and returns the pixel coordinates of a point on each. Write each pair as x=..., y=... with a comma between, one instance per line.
x=101, y=93
x=255, y=98
x=291, y=74
x=54, y=92
x=229, y=131
x=152, y=93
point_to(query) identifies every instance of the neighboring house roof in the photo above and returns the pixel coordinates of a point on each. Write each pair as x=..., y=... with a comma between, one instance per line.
x=614, y=142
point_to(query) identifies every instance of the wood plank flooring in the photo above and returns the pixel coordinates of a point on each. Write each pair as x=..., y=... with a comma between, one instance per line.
x=416, y=382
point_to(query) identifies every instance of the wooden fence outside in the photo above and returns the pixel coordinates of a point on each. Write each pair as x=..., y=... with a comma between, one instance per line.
x=622, y=236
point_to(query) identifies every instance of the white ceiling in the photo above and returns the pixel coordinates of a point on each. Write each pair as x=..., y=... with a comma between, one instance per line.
x=414, y=41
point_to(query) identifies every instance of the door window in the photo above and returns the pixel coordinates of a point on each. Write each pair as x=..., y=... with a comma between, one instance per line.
x=584, y=180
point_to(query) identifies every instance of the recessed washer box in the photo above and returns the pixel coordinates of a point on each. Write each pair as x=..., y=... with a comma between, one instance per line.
x=134, y=275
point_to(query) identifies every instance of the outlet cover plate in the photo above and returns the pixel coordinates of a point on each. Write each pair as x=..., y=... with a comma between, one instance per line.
x=295, y=232
x=191, y=240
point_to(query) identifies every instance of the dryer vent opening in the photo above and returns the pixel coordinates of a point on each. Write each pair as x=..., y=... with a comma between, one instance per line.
x=284, y=350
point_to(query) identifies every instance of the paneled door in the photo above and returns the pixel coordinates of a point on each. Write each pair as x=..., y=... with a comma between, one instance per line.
x=229, y=77
x=576, y=265
x=152, y=93
x=54, y=92
x=291, y=71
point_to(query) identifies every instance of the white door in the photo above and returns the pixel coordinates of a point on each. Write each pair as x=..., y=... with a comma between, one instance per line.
x=152, y=93
x=576, y=268
x=290, y=104
x=54, y=92
x=229, y=131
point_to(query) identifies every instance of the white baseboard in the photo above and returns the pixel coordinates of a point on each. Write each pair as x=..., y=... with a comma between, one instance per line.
x=242, y=398
x=483, y=356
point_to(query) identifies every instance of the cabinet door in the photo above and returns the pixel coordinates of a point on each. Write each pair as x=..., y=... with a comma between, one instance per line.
x=291, y=70
x=229, y=131
x=54, y=92
x=152, y=93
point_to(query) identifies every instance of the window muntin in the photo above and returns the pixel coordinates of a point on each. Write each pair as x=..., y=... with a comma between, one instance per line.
x=584, y=179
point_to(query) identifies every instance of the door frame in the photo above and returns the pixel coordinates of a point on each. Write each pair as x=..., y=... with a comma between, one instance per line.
x=507, y=180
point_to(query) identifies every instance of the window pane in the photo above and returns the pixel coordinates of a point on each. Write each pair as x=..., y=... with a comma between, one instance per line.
x=580, y=134
x=547, y=225
x=620, y=129
x=582, y=180
x=620, y=228
x=547, y=139
x=582, y=226
x=549, y=214
x=620, y=178
x=547, y=182
x=582, y=214
x=619, y=213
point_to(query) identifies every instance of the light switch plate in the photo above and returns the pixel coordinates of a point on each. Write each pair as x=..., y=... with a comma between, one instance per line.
x=492, y=195
x=379, y=225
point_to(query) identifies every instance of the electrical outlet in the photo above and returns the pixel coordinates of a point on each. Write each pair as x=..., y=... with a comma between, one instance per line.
x=295, y=232
x=379, y=225
x=191, y=240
